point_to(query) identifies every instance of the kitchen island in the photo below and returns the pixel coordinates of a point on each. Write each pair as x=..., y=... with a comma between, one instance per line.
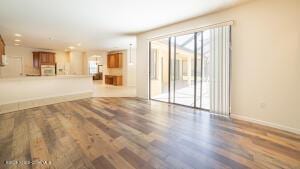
x=18, y=93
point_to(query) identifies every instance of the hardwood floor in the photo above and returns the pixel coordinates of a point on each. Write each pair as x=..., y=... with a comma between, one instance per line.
x=128, y=133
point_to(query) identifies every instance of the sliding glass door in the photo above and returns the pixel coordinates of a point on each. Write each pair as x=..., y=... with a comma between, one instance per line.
x=192, y=69
x=183, y=64
x=199, y=71
x=176, y=70
x=203, y=70
x=159, y=69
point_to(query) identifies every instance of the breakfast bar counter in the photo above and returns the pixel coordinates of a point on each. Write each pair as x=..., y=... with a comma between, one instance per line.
x=18, y=93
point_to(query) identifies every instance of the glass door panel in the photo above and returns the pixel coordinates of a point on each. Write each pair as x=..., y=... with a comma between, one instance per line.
x=199, y=70
x=183, y=65
x=172, y=69
x=203, y=75
x=206, y=70
x=159, y=69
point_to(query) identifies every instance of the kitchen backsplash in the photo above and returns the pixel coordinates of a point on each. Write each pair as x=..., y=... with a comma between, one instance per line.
x=31, y=70
x=115, y=71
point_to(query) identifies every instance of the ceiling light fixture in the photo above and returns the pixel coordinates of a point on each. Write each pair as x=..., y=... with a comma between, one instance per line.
x=17, y=35
x=71, y=47
x=17, y=40
x=16, y=44
x=79, y=44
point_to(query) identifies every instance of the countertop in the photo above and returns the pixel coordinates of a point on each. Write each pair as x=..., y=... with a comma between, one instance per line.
x=43, y=77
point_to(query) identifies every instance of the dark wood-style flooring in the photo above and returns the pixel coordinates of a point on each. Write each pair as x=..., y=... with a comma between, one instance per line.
x=128, y=133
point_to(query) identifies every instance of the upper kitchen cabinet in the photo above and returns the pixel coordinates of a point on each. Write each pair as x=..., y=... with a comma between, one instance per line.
x=114, y=60
x=43, y=58
x=2, y=48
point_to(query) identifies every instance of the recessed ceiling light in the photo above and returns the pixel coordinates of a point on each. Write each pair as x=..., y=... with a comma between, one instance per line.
x=71, y=47
x=17, y=40
x=17, y=35
x=79, y=44
x=16, y=44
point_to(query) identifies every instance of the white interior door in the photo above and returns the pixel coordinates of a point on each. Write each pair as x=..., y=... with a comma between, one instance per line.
x=13, y=68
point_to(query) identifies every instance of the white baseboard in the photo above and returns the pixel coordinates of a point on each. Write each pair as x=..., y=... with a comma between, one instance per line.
x=265, y=123
x=36, y=102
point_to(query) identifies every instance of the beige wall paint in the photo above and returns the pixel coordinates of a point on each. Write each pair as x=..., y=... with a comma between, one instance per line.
x=131, y=68
x=19, y=89
x=85, y=63
x=128, y=71
x=124, y=67
x=118, y=71
x=265, y=59
x=90, y=55
x=27, y=56
x=76, y=63
x=76, y=60
x=102, y=59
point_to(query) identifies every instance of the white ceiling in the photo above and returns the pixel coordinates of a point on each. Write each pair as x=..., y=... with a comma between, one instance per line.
x=96, y=24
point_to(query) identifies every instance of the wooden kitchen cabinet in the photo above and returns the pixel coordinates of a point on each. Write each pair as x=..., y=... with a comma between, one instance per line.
x=117, y=81
x=43, y=58
x=2, y=48
x=114, y=60
x=36, y=61
x=113, y=80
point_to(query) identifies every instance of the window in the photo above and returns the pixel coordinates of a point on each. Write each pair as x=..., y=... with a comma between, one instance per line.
x=92, y=67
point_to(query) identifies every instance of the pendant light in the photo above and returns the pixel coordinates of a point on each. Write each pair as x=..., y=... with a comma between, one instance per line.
x=130, y=57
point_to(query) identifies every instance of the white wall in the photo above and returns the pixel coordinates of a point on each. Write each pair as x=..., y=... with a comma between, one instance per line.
x=265, y=60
